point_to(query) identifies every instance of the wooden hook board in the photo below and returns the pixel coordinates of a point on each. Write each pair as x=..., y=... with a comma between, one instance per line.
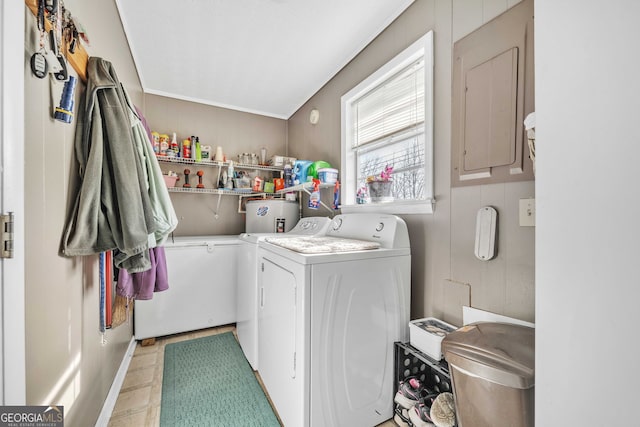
x=79, y=59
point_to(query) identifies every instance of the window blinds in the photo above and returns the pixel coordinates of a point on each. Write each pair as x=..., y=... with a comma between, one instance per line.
x=395, y=106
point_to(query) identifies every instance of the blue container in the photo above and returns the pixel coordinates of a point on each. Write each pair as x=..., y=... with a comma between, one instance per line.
x=300, y=168
x=64, y=112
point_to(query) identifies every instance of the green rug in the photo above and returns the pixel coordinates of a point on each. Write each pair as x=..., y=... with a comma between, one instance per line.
x=208, y=382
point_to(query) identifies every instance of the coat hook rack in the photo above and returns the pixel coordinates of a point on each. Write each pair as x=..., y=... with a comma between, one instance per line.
x=76, y=55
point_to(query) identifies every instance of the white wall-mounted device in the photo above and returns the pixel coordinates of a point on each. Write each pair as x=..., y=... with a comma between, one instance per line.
x=486, y=226
x=314, y=116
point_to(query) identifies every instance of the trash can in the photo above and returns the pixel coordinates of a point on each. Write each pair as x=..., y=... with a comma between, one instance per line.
x=493, y=374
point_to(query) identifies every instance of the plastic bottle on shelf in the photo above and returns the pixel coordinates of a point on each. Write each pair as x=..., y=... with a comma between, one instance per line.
x=230, y=175
x=288, y=177
x=164, y=144
x=193, y=147
x=155, y=140
x=174, y=145
x=186, y=148
x=263, y=156
x=198, y=150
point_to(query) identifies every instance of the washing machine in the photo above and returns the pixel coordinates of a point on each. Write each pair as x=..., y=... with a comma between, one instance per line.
x=247, y=290
x=331, y=308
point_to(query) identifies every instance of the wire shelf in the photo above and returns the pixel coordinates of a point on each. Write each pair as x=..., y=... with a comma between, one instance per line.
x=213, y=163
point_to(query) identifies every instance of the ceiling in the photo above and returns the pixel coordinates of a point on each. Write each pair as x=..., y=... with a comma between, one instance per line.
x=261, y=56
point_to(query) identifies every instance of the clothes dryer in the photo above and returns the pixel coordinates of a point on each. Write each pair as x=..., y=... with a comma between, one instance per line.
x=247, y=290
x=331, y=308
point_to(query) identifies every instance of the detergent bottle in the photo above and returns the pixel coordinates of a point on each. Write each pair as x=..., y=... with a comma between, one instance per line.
x=300, y=168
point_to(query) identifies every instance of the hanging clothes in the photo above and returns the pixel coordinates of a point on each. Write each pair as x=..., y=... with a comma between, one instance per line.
x=163, y=213
x=142, y=285
x=112, y=208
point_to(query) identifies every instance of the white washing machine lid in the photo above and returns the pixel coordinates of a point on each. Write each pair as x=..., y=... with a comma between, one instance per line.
x=331, y=257
x=322, y=244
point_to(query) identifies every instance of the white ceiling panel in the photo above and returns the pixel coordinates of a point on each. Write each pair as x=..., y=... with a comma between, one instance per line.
x=262, y=56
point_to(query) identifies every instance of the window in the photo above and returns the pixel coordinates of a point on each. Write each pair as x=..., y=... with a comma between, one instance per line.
x=387, y=120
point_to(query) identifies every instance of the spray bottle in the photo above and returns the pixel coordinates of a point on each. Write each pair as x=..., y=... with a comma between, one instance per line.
x=314, y=197
x=336, y=195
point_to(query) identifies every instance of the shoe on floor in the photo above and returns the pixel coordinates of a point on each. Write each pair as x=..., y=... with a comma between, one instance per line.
x=420, y=414
x=410, y=390
x=443, y=410
x=397, y=418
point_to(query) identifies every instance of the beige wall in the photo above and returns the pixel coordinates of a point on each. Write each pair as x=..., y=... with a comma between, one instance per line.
x=442, y=243
x=236, y=132
x=67, y=362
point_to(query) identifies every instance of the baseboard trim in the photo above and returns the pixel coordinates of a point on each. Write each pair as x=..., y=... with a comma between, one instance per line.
x=112, y=397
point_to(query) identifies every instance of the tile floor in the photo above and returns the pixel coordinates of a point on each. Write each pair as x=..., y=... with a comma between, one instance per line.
x=139, y=400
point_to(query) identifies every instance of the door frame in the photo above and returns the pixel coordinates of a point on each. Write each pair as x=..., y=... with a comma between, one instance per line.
x=12, y=274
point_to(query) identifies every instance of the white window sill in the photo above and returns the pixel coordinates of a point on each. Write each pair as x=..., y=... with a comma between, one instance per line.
x=426, y=207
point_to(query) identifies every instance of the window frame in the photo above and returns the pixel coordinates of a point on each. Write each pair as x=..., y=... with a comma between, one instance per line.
x=422, y=48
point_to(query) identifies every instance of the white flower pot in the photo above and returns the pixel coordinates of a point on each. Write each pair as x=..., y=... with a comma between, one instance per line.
x=380, y=191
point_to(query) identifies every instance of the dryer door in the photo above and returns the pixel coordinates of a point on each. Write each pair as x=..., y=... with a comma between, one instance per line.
x=278, y=324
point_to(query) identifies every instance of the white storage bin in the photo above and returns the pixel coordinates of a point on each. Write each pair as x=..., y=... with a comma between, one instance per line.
x=282, y=160
x=427, y=334
x=328, y=175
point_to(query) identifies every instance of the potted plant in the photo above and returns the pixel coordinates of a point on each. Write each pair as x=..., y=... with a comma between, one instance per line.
x=380, y=186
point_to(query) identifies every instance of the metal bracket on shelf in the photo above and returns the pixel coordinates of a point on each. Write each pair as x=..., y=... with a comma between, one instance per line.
x=305, y=188
x=215, y=213
x=321, y=202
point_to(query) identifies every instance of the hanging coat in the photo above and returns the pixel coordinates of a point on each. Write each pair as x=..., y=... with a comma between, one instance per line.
x=112, y=209
x=163, y=213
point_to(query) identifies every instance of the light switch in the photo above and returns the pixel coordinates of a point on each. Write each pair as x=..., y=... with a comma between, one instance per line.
x=528, y=212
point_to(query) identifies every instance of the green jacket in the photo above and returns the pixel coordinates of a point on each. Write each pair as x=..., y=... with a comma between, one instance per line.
x=112, y=209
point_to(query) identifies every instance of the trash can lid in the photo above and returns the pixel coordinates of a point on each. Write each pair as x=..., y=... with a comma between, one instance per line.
x=497, y=352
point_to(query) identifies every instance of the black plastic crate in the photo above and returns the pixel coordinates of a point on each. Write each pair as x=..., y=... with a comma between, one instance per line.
x=410, y=361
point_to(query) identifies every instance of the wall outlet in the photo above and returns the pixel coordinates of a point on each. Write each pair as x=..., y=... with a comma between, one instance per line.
x=528, y=212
